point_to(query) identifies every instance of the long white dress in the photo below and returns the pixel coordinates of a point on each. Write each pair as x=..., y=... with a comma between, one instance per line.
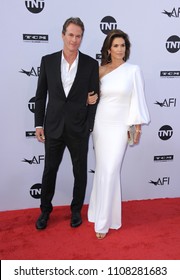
x=122, y=103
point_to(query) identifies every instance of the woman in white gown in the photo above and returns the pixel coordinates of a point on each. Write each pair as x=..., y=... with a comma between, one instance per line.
x=122, y=104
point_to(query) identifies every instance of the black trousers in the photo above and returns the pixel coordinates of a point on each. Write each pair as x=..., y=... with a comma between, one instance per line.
x=54, y=150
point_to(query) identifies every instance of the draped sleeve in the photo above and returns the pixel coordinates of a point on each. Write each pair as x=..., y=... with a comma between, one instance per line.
x=138, y=113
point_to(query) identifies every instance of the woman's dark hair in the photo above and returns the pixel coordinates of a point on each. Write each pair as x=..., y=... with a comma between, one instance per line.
x=74, y=20
x=116, y=33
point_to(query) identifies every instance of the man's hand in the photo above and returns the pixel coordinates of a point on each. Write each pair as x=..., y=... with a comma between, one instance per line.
x=40, y=134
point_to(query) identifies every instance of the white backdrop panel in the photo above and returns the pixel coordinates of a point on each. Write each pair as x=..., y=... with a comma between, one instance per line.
x=149, y=29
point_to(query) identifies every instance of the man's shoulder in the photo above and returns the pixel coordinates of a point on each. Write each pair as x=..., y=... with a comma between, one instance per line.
x=51, y=55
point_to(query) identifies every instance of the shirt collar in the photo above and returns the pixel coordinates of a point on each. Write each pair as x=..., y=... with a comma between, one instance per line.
x=63, y=60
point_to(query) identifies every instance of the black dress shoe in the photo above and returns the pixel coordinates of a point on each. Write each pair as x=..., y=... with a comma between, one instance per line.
x=42, y=221
x=76, y=219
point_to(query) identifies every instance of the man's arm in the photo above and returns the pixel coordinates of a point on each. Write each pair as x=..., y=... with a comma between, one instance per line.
x=94, y=88
x=41, y=96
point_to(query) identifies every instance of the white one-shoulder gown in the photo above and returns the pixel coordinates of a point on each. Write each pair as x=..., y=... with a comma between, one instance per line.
x=122, y=103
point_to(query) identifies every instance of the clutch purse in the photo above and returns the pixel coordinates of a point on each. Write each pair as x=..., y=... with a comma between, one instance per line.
x=131, y=133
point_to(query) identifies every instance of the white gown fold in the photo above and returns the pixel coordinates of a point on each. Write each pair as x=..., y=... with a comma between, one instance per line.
x=122, y=103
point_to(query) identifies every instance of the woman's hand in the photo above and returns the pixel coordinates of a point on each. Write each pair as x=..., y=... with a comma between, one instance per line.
x=92, y=98
x=137, y=134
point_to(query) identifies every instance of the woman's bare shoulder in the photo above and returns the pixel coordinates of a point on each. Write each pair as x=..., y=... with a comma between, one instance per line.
x=102, y=71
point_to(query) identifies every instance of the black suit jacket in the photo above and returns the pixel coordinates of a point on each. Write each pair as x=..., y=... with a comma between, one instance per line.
x=53, y=110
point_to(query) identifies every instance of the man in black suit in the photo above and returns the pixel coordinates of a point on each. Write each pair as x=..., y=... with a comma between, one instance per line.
x=63, y=118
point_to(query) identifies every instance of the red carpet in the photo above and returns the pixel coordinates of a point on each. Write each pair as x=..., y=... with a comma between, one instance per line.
x=151, y=230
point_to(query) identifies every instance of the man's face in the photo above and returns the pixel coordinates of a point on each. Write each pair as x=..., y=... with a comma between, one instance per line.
x=72, y=38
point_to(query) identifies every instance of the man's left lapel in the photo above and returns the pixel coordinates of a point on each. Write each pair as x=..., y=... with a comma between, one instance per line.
x=78, y=75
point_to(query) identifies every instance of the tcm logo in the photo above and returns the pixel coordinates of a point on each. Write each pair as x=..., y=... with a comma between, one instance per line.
x=173, y=13
x=171, y=102
x=98, y=56
x=165, y=132
x=30, y=134
x=35, y=191
x=31, y=104
x=161, y=182
x=173, y=44
x=35, y=38
x=107, y=24
x=170, y=74
x=163, y=158
x=34, y=160
x=31, y=72
x=35, y=6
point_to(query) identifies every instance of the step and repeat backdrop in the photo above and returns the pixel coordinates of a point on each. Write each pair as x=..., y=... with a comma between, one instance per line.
x=31, y=29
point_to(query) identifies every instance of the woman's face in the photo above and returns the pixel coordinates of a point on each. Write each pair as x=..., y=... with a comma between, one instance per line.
x=118, y=49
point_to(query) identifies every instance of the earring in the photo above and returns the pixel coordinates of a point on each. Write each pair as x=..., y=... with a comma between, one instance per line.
x=109, y=58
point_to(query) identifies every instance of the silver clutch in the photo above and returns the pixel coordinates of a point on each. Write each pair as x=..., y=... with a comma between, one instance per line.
x=131, y=133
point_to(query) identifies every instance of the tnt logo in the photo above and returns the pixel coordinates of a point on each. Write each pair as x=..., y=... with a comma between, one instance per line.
x=165, y=132
x=173, y=44
x=31, y=104
x=107, y=24
x=35, y=6
x=35, y=191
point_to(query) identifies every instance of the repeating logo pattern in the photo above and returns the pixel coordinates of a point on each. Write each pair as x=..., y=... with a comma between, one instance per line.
x=32, y=72
x=35, y=6
x=160, y=181
x=173, y=44
x=172, y=14
x=165, y=132
x=106, y=24
x=31, y=104
x=35, y=191
x=171, y=102
x=35, y=38
x=170, y=74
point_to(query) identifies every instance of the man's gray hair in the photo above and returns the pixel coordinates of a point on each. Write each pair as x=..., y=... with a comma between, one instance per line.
x=74, y=20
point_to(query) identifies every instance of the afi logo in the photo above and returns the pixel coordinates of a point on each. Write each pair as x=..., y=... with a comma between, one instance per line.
x=35, y=191
x=173, y=44
x=174, y=13
x=160, y=182
x=34, y=160
x=31, y=104
x=32, y=72
x=107, y=24
x=91, y=171
x=165, y=132
x=167, y=102
x=35, y=6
